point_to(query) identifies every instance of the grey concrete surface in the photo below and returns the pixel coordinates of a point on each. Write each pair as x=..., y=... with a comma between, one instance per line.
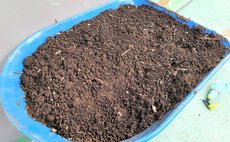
x=20, y=19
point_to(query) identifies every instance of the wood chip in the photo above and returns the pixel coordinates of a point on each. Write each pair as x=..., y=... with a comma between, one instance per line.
x=58, y=52
x=119, y=113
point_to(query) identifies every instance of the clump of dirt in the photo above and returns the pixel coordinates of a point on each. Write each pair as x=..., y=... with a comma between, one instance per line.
x=111, y=77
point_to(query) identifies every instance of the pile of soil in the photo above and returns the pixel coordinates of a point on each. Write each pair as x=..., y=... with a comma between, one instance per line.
x=111, y=77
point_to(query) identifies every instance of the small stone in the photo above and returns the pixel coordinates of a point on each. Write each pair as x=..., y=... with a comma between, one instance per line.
x=53, y=130
x=161, y=82
x=70, y=139
x=154, y=108
x=175, y=73
x=131, y=46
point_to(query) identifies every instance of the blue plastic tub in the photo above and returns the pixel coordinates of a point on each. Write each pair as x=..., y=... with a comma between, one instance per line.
x=12, y=94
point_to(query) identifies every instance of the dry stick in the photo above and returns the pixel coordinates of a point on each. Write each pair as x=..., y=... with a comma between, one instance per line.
x=59, y=51
x=110, y=92
x=179, y=63
x=62, y=78
x=60, y=122
x=81, y=133
x=207, y=38
x=182, y=69
x=125, y=52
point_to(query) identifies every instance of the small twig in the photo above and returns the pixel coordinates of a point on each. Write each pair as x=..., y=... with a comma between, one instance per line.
x=62, y=78
x=81, y=132
x=93, y=137
x=179, y=63
x=60, y=122
x=119, y=113
x=182, y=69
x=125, y=52
x=99, y=80
x=59, y=51
x=208, y=38
x=38, y=70
x=110, y=92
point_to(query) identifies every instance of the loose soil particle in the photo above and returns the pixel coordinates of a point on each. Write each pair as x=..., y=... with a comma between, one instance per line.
x=111, y=77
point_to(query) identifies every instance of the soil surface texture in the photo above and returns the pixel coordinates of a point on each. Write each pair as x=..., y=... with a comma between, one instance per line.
x=111, y=77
